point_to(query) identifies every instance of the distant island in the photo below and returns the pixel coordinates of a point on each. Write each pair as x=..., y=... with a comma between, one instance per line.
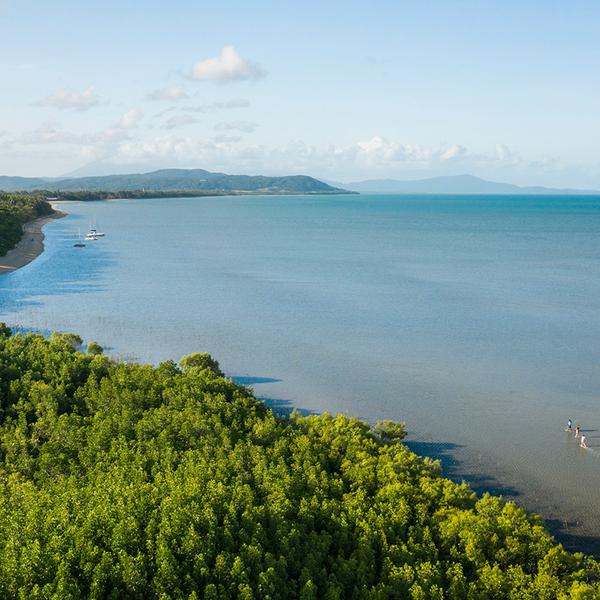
x=174, y=182
x=454, y=184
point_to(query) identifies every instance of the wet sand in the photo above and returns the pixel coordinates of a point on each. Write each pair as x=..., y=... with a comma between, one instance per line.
x=30, y=246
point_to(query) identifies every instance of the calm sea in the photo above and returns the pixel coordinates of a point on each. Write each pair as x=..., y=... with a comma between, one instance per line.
x=476, y=320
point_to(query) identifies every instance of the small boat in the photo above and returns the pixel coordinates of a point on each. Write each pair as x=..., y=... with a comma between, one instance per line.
x=91, y=237
x=79, y=243
x=94, y=232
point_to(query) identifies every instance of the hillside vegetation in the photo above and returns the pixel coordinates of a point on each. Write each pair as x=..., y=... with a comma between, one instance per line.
x=179, y=180
x=127, y=481
x=15, y=211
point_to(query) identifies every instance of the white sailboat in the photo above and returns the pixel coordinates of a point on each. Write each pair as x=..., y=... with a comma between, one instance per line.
x=94, y=233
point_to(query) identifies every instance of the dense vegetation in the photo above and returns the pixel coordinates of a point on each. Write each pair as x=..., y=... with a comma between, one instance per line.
x=84, y=196
x=15, y=210
x=128, y=481
x=180, y=180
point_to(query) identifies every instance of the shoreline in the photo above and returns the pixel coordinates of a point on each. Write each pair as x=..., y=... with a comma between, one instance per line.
x=31, y=244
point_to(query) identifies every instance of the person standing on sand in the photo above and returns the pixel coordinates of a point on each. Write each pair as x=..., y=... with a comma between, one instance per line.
x=577, y=431
x=582, y=443
x=569, y=427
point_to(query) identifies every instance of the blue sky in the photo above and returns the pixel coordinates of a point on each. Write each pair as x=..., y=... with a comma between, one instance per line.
x=340, y=90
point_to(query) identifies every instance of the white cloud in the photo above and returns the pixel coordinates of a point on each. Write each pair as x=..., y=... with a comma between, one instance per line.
x=379, y=151
x=235, y=103
x=131, y=119
x=243, y=126
x=453, y=151
x=228, y=66
x=179, y=121
x=71, y=100
x=170, y=93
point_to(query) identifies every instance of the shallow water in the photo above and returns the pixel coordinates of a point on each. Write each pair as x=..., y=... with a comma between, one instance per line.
x=475, y=320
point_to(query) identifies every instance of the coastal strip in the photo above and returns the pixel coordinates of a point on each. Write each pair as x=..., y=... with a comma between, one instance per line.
x=30, y=246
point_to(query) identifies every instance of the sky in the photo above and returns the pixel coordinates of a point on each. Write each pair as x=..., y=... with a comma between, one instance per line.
x=344, y=91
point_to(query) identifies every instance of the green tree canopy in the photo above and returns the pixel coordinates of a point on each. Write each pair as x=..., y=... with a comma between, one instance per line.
x=15, y=210
x=122, y=480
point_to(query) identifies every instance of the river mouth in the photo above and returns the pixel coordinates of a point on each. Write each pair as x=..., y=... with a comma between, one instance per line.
x=474, y=320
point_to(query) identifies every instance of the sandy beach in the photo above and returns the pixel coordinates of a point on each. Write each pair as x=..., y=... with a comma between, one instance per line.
x=30, y=246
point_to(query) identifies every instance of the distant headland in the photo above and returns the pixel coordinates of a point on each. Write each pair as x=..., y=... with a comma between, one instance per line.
x=175, y=181
x=454, y=184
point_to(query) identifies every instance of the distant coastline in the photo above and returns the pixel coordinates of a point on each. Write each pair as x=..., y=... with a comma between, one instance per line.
x=30, y=246
x=98, y=195
x=195, y=181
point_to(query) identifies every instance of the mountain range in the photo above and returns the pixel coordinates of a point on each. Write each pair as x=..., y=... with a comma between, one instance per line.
x=199, y=180
x=451, y=184
x=181, y=180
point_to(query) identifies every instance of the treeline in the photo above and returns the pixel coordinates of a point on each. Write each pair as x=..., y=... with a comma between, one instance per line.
x=86, y=195
x=90, y=195
x=123, y=480
x=15, y=210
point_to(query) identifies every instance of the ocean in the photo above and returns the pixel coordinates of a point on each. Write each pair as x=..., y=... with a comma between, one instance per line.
x=475, y=320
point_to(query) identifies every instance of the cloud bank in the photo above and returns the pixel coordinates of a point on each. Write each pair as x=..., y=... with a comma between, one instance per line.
x=222, y=147
x=375, y=157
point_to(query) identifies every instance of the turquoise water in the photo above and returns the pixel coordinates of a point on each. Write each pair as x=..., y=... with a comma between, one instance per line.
x=475, y=320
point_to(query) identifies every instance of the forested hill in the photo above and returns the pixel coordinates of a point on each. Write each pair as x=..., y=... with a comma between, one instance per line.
x=15, y=211
x=177, y=180
x=127, y=481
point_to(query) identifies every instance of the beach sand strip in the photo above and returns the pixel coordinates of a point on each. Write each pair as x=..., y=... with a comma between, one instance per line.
x=30, y=246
